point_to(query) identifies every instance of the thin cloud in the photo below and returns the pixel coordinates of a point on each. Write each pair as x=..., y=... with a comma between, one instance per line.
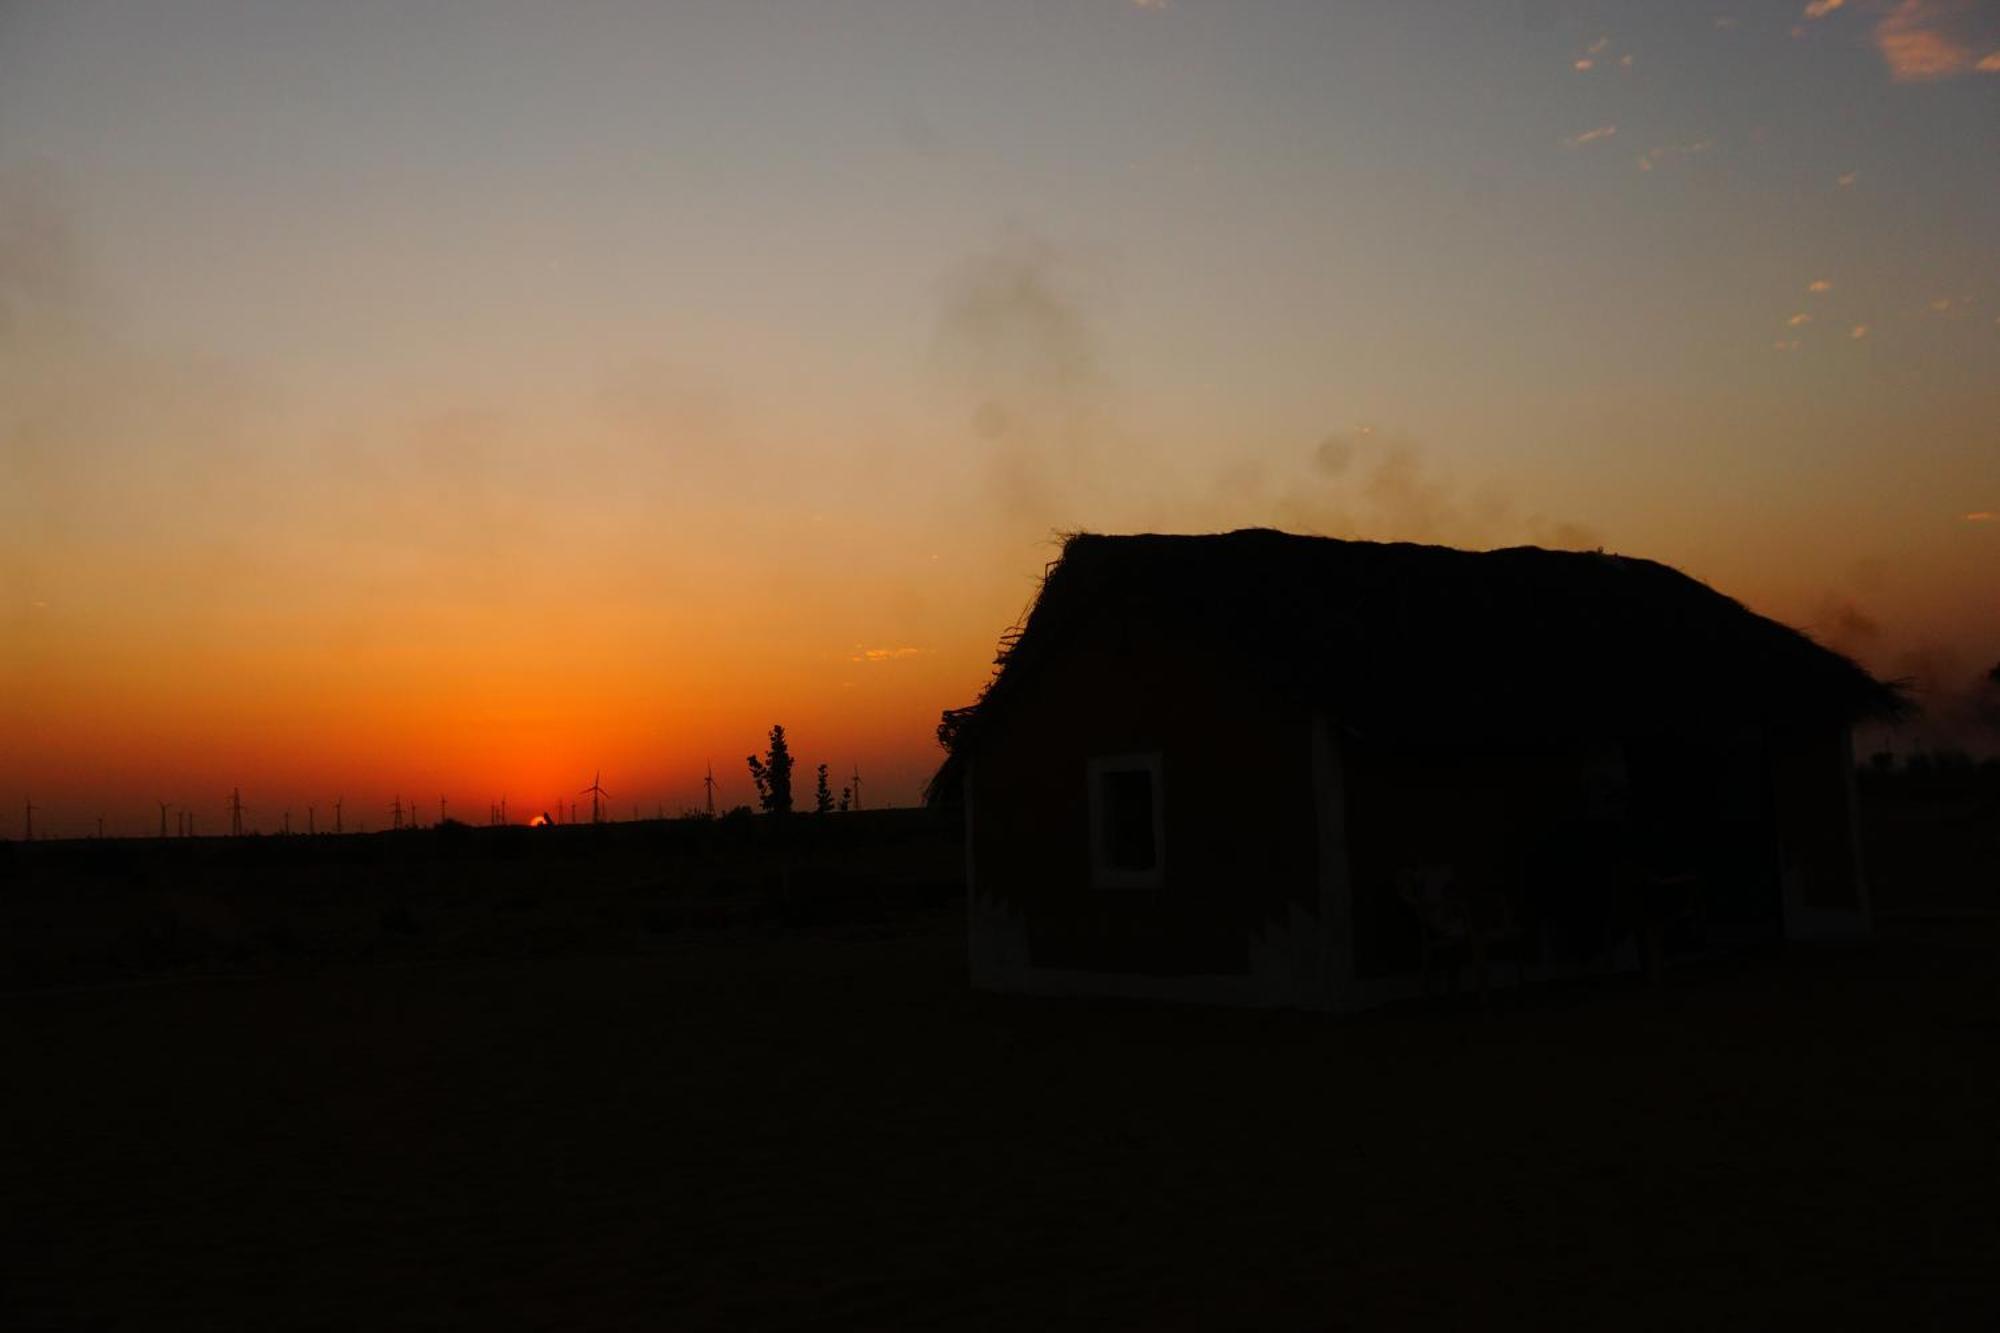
x=1819, y=285
x=1591, y=136
x=1597, y=52
x=1653, y=157
x=1785, y=345
x=1819, y=9
x=1923, y=41
x=1725, y=21
x=1801, y=318
x=1846, y=178
x=884, y=654
x=1858, y=331
x=1980, y=516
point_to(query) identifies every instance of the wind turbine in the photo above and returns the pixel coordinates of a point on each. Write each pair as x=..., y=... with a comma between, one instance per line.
x=235, y=812
x=164, y=807
x=28, y=817
x=857, y=787
x=336, y=814
x=595, y=791
x=709, y=782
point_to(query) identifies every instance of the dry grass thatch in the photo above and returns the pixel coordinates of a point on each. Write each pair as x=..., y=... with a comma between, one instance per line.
x=1429, y=644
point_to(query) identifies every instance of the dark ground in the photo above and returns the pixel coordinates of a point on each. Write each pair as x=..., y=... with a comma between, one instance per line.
x=751, y=1118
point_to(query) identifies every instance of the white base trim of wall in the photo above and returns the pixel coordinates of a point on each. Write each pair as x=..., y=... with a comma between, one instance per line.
x=1826, y=924
x=1265, y=989
x=1501, y=975
x=1286, y=968
x=1821, y=924
x=1234, y=991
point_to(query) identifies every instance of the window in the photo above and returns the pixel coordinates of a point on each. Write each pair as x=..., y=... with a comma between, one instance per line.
x=1127, y=832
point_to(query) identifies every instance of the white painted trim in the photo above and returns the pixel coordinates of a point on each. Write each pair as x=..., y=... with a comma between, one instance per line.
x=1230, y=989
x=1254, y=990
x=1335, y=870
x=996, y=939
x=1832, y=924
x=1863, y=903
x=972, y=943
x=1501, y=976
x=1102, y=874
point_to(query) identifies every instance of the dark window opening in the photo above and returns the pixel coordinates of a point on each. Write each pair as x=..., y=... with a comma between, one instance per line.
x=1127, y=796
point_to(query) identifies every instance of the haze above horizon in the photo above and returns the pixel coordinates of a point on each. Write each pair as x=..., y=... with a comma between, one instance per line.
x=462, y=397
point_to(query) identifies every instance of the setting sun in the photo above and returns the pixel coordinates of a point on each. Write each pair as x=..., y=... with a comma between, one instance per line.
x=1156, y=664
x=369, y=429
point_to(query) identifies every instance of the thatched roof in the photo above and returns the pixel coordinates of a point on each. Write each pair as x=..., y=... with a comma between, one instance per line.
x=1409, y=643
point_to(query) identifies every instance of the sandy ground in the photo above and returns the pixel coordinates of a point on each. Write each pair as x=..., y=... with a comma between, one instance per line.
x=827, y=1131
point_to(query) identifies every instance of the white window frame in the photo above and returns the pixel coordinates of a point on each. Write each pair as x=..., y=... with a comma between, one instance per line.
x=1103, y=874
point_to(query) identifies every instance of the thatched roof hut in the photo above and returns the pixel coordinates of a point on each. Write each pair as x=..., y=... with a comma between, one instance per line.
x=1220, y=758
x=1432, y=643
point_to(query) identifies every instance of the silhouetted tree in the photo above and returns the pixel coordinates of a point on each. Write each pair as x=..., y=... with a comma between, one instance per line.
x=846, y=798
x=773, y=775
x=822, y=797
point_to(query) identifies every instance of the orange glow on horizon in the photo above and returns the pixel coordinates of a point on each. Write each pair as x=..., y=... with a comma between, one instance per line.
x=602, y=429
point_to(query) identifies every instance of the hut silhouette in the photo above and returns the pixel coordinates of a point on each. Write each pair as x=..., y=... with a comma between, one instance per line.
x=1262, y=768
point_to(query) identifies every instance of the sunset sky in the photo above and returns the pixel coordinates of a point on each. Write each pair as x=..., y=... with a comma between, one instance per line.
x=460, y=398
